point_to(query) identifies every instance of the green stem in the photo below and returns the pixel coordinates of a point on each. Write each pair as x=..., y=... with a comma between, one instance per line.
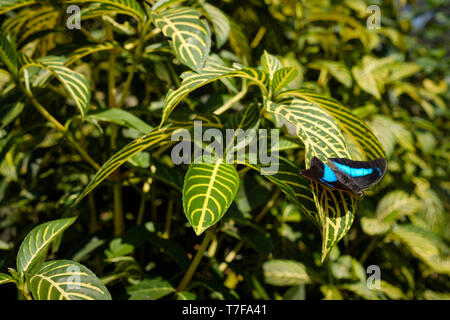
x=168, y=219
x=233, y=100
x=195, y=262
x=59, y=126
x=119, y=223
x=136, y=58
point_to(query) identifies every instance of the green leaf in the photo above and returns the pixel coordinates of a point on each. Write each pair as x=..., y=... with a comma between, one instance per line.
x=281, y=78
x=295, y=186
x=209, y=189
x=423, y=245
x=118, y=249
x=7, y=5
x=65, y=280
x=9, y=55
x=150, y=289
x=337, y=69
x=80, y=53
x=5, y=278
x=129, y=7
x=191, y=38
x=186, y=295
x=372, y=74
x=285, y=273
x=270, y=63
x=368, y=143
x=323, y=139
x=35, y=245
x=151, y=140
x=120, y=117
x=220, y=23
x=75, y=84
x=213, y=70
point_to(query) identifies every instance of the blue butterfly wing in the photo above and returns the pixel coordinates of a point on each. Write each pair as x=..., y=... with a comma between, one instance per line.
x=363, y=173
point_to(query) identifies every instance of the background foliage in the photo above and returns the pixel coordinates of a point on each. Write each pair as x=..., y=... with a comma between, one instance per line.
x=86, y=117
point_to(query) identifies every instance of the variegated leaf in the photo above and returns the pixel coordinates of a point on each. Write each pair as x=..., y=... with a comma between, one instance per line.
x=270, y=63
x=424, y=245
x=65, y=280
x=297, y=188
x=220, y=23
x=128, y=7
x=191, y=38
x=211, y=72
x=6, y=278
x=34, y=246
x=29, y=21
x=151, y=140
x=281, y=78
x=209, y=189
x=285, y=273
x=7, y=5
x=80, y=53
x=75, y=84
x=9, y=55
x=323, y=139
x=368, y=143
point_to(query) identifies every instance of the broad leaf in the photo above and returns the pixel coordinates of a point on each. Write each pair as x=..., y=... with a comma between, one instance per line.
x=368, y=143
x=34, y=246
x=337, y=69
x=9, y=55
x=270, y=63
x=285, y=273
x=220, y=23
x=120, y=117
x=212, y=71
x=191, y=38
x=209, y=189
x=323, y=139
x=130, y=7
x=281, y=78
x=75, y=84
x=65, y=280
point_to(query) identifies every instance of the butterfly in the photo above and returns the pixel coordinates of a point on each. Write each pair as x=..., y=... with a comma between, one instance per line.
x=345, y=174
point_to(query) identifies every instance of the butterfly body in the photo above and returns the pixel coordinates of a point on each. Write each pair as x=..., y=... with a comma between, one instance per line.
x=345, y=174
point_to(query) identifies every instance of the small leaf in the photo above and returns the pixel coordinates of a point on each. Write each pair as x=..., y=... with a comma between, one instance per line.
x=191, y=38
x=6, y=278
x=285, y=273
x=150, y=289
x=65, y=280
x=220, y=23
x=270, y=63
x=281, y=78
x=37, y=241
x=120, y=117
x=209, y=189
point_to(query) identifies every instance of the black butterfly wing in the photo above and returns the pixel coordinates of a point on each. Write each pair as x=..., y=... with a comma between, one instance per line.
x=318, y=172
x=363, y=173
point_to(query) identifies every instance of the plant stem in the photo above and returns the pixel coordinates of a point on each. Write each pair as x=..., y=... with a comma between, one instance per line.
x=168, y=219
x=59, y=126
x=136, y=57
x=119, y=223
x=195, y=262
x=233, y=100
x=232, y=254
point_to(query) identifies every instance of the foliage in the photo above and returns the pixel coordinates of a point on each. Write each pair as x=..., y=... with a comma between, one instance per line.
x=88, y=115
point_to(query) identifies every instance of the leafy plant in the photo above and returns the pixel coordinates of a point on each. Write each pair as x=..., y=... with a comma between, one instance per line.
x=91, y=119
